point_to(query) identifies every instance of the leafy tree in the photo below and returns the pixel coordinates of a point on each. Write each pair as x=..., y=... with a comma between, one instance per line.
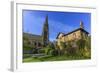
x=88, y=42
x=87, y=50
x=81, y=43
x=84, y=46
x=70, y=49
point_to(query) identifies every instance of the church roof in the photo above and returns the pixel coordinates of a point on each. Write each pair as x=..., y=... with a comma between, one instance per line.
x=33, y=36
x=59, y=34
x=74, y=31
x=77, y=30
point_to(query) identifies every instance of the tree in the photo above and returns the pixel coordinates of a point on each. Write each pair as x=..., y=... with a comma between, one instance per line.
x=49, y=49
x=81, y=43
x=70, y=49
x=88, y=42
x=87, y=52
x=84, y=47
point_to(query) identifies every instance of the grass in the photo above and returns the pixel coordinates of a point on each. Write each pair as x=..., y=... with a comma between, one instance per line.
x=53, y=58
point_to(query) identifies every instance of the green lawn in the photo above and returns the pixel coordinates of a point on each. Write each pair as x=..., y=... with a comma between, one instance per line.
x=53, y=58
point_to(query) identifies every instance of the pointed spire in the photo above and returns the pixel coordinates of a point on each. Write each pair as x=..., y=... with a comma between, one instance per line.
x=45, y=32
x=46, y=20
x=81, y=25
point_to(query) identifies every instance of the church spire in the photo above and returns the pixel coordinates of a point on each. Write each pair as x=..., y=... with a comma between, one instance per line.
x=45, y=32
x=46, y=21
x=81, y=25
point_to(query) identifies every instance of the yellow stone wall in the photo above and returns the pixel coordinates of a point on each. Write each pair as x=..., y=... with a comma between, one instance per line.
x=73, y=36
x=61, y=39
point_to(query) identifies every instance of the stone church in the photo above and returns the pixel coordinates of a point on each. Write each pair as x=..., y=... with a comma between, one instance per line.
x=79, y=33
x=42, y=40
x=37, y=40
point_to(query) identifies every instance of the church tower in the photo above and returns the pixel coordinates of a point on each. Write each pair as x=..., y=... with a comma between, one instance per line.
x=81, y=25
x=45, y=32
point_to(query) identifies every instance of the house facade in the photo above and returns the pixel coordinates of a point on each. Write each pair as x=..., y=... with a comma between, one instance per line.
x=74, y=35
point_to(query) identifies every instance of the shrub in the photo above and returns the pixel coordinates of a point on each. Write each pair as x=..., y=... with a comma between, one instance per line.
x=41, y=51
x=54, y=52
x=81, y=43
x=50, y=50
x=84, y=46
x=88, y=42
x=71, y=51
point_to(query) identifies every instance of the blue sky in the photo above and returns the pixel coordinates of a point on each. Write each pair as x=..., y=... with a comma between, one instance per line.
x=65, y=22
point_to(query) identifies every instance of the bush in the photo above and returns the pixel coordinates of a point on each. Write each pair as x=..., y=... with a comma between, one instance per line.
x=41, y=51
x=81, y=43
x=50, y=50
x=27, y=49
x=84, y=46
x=71, y=51
x=88, y=42
x=54, y=52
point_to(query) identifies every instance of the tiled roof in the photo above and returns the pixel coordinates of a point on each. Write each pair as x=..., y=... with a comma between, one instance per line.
x=33, y=36
x=77, y=30
x=74, y=31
